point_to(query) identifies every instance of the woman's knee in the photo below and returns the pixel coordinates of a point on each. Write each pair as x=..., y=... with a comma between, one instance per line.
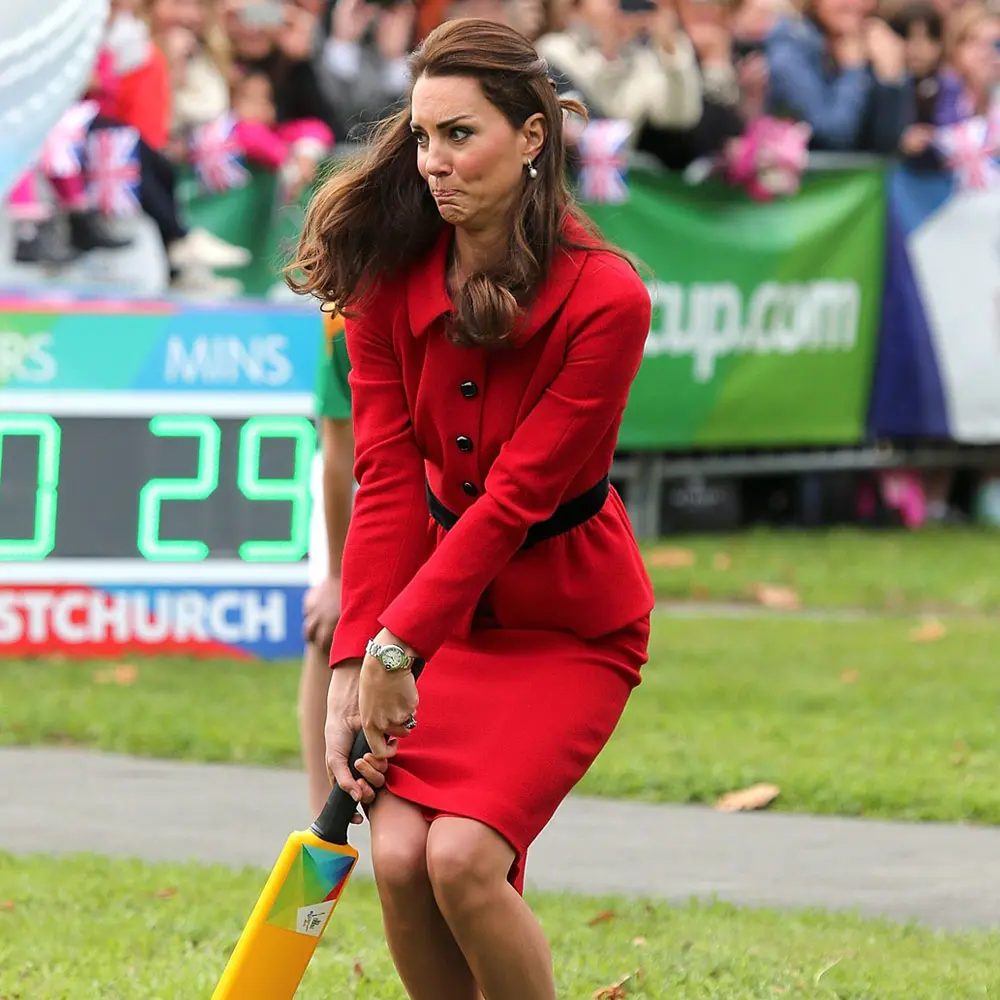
x=399, y=846
x=467, y=863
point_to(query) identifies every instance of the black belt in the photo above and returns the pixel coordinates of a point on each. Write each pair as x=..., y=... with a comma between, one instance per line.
x=567, y=515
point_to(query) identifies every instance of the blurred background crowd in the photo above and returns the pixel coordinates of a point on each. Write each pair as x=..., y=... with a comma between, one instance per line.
x=299, y=76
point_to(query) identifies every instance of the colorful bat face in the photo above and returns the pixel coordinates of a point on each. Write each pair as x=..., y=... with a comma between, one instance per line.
x=290, y=917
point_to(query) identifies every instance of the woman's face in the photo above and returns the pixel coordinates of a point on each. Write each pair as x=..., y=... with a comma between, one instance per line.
x=254, y=100
x=527, y=17
x=976, y=58
x=923, y=53
x=168, y=14
x=599, y=14
x=471, y=157
x=840, y=18
x=696, y=13
x=753, y=20
x=247, y=40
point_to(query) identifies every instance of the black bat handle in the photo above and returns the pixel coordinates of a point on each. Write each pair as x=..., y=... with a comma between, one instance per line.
x=334, y=820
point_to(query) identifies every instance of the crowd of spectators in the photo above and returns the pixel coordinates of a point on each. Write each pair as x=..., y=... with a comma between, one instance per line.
x=689, y=75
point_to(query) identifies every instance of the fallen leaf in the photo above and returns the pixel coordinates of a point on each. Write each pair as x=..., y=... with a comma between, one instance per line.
x=124, y=675
x=755, y=797
x=604, y=917
x=638, y=941
x=930, y=631
x=616, y=991
x=668, y=558
x=849, y=676
x=722, y=562
x=612, y=992
x=772, y=595
x=359, y=970
x=7, y=906
x=165, y=893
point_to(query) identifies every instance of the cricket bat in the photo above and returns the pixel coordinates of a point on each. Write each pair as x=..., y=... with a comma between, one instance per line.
x=297, y=901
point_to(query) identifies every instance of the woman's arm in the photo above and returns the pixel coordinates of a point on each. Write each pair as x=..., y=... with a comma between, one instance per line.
x=387, y=539
x=529, y=479
x=675, y=90
x=338, y=484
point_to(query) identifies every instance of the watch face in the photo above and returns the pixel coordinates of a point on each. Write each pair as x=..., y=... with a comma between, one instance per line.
x=393, y=657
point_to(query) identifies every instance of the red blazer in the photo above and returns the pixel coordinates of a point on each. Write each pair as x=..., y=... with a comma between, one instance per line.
x=140, y=98
x=543, y=421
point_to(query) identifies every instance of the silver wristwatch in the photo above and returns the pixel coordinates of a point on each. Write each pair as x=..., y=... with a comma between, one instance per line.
x=391, y=657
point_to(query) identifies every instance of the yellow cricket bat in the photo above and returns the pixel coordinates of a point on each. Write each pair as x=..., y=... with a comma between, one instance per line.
x=297, y=901
x=295, y=904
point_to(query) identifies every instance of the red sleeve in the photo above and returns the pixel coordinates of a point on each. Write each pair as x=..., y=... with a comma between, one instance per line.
x=388, y=538
x=536, y=466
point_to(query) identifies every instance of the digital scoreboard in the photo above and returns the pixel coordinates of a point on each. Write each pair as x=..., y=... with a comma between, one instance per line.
x=169, y=513
x=174, y=488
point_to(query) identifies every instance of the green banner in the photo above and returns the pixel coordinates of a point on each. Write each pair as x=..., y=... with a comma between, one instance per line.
x=252, y=217
x=765, y=316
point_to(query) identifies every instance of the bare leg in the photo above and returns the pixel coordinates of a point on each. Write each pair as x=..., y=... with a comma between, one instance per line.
x=429, y=962
x=499, y=935
x=314, y=684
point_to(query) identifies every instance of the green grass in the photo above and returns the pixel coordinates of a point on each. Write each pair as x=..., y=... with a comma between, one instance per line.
x=849, y=719
x=853, y=719
x=95, y=929
x=890, y=571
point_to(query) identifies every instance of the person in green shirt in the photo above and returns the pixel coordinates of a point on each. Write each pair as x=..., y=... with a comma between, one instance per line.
x=332, y=494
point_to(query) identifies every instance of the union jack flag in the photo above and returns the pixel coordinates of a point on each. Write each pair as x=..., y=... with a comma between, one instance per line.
x=216, y=155
x=114, y=170
x=969, y=148
x=604, y=161
x=60, y=155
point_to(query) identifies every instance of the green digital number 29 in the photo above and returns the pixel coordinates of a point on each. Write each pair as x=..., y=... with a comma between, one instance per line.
x=206, y=480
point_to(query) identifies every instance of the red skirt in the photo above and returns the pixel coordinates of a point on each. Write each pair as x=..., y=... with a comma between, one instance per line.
x=509, y=721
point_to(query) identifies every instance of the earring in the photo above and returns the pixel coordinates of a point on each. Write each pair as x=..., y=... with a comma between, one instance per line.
x=532, y=170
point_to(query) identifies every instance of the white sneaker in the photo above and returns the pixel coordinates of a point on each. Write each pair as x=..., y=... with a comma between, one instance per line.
x=202, y=247
x=200, y=283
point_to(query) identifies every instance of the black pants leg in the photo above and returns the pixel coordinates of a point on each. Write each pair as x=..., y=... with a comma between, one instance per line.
x=157, y=193
x=157, y=187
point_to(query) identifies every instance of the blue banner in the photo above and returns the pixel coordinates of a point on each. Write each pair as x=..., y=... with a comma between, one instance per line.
x=937, y=371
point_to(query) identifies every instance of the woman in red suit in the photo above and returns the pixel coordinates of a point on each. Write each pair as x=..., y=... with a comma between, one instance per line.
x=493, y=338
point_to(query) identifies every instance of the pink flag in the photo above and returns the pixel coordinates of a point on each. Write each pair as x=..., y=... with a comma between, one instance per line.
x=968, y=148
x=114, y=170
x=604, y=160
x=216, y=155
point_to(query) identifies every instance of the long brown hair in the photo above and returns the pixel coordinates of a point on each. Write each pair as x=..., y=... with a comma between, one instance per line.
x=375, y=216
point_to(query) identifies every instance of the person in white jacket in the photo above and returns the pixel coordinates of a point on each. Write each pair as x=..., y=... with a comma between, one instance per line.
x=638, y=66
